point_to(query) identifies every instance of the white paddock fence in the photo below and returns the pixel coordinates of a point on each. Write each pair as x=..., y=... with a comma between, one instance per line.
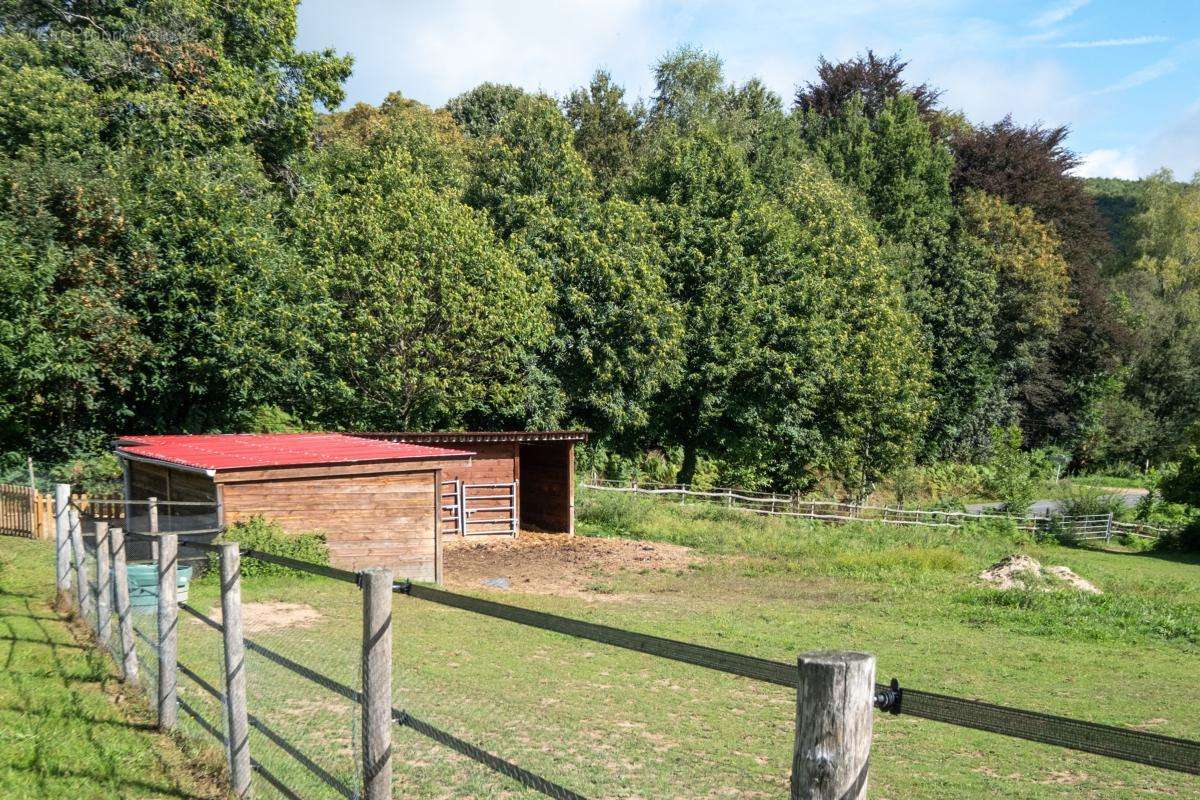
x=1090, y=527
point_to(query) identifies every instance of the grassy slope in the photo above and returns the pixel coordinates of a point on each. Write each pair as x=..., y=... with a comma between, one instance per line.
x=65, y=730
x=611, y=723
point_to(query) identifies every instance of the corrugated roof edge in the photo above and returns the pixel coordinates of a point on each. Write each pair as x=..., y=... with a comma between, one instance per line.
x=128, y=446
x=475, y=436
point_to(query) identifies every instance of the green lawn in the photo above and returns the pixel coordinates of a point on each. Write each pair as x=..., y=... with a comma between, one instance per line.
x=66, y=729
x=616, y=724
x=611, y=723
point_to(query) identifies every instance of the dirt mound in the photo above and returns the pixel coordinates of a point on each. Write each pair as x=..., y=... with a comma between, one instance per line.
x=259, y=617
x=544, y=563
x=1023, y=572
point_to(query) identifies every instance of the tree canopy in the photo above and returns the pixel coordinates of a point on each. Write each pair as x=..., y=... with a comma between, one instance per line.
x=194, y=238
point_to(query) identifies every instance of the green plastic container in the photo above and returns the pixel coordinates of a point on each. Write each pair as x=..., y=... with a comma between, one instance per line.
x=143, y=584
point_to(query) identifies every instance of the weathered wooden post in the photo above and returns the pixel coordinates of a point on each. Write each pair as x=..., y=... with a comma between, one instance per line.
x=103, y=588
x=835, y=700
x=62, y=541
x=83, y=592
x=377, y=683
x=237, y=726
x=152, y=521
x=129, y=663
x=168, y=633
x=1108, y=528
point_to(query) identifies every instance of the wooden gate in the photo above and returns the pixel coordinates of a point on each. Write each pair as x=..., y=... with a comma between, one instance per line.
x=479, y=509
x=25, y=512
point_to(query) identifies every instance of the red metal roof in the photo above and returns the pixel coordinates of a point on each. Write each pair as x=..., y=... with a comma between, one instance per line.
x=251, y=450
x=443, y=437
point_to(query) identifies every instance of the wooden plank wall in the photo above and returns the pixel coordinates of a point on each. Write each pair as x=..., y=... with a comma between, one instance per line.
x=493, y=462
x=547, y=475
x=369, y=518
x=152, y=480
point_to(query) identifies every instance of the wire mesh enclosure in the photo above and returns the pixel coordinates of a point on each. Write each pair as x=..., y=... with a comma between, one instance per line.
x=316, y=682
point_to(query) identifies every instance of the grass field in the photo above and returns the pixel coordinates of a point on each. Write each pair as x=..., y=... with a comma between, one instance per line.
x=66, y=729
x=610, y=723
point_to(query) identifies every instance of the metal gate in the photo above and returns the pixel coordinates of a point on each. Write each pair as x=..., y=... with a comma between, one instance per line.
x=479, y=509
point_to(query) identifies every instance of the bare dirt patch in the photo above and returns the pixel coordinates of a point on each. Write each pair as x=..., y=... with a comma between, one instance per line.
x=259, y=617
x=1023, y=572
x=544, y=563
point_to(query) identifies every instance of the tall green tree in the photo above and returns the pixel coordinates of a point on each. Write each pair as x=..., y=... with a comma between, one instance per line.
x=615, y=339
x=1162, y=290
x=425, y=320
x=606, y=130
x=1030, y=166
x=145, y=148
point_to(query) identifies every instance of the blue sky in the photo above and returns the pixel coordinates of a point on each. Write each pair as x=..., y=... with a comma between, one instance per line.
x=1124, y=75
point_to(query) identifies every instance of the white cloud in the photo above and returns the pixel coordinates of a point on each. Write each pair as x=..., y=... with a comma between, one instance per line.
x=433, y=51
x=986, y=89
x=1179, y=55
x=1108, y=163
x=1133, y=40
x=1057, y=13
x=1176, y=147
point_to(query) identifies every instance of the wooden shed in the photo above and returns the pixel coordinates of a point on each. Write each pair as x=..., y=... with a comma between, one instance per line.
x=376, y=501
x=516, y=480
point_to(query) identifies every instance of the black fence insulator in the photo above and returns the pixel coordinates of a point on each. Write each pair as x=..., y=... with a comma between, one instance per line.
x=402, y=587
x=889, y=698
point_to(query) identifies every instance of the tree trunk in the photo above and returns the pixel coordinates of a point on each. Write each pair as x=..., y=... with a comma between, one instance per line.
x=687, y=470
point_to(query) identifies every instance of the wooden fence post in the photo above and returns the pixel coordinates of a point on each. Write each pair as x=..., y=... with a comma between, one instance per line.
x=152, y=525
x=103, y=588
x=237, y=727
x=83, y=591
x=129, y=663
x=62, y=541
x=33, y=504
x=377, y=683
x=168, y=633
x=835, y=701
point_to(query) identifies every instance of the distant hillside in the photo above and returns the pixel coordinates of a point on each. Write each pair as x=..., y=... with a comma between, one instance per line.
x=1117, y=200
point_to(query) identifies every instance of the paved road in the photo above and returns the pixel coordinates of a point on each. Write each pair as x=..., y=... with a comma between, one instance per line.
x=1042, y=508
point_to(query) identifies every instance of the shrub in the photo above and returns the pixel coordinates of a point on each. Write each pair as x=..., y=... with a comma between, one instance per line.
x=1010, y=472
x=97, y=474
x=259, y=534
x=1183, y=540
x=1081, y=501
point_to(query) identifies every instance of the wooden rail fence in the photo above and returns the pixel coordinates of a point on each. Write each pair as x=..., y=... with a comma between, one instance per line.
x=26, y=512
x=1096, y=526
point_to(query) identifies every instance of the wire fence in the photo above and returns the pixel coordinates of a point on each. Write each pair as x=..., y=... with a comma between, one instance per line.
x=1077, y=527
x=305, y=692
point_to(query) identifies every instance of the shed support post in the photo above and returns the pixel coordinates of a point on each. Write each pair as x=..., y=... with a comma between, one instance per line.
x=129, y=663
x=462, y=508
x=83, y=591
x=835, y=700
x=62, y=541
x=237, y=728
x=103, y=587
x=168, y=633
x=152, y=525
x=437, y=526
x=377, y=683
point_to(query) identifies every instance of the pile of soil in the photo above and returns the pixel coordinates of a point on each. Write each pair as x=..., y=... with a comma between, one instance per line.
x=547, y=563
x=1024, y=572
